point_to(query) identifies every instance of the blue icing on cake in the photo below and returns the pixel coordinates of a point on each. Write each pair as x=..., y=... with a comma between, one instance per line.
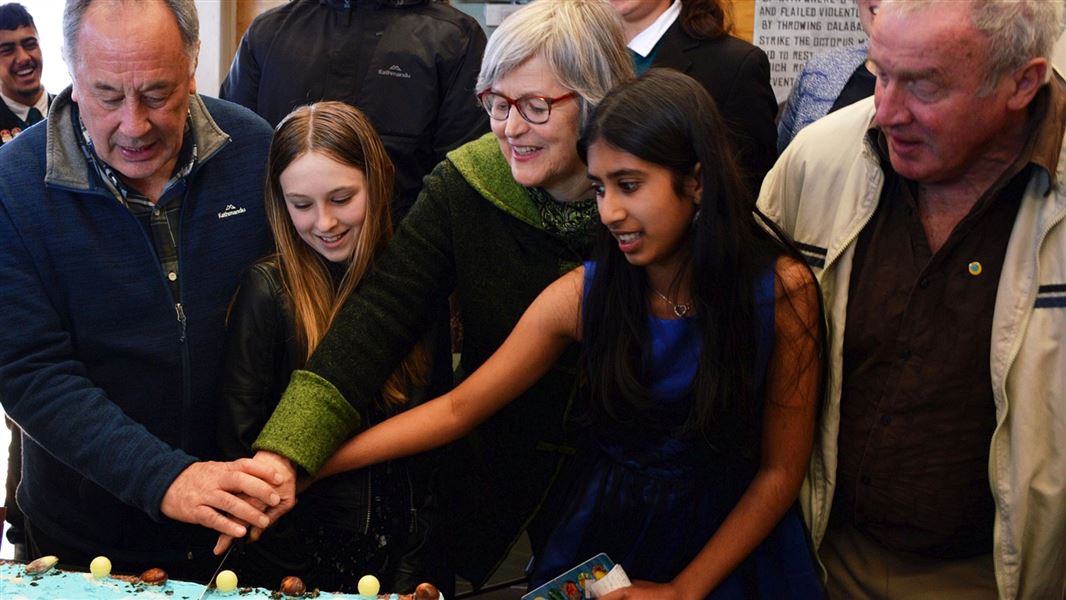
x=57, y=584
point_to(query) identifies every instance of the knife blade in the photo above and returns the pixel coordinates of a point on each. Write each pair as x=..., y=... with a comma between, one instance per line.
x=211, y=582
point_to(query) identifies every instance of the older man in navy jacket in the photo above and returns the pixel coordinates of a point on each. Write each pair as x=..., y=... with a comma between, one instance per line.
x=124, y=226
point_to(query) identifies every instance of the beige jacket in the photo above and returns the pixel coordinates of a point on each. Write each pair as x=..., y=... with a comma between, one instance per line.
x=823, y=190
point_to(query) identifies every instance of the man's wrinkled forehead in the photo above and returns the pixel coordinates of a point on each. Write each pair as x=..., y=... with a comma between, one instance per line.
x=925, y=36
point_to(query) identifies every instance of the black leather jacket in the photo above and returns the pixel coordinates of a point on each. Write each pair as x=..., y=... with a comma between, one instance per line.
x=340, y=520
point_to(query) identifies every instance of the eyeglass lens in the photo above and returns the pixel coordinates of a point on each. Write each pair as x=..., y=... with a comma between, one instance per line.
x=534, y=109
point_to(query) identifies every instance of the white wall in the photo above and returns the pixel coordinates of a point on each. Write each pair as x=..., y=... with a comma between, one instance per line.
x=218, y=21
x=48, y=16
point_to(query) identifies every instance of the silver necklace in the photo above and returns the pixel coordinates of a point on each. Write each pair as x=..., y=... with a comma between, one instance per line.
x=680, y=309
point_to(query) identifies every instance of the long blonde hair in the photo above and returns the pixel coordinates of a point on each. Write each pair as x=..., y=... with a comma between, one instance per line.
x=344, y=134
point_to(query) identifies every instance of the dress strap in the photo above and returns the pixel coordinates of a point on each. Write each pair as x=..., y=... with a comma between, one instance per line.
x=764, y=311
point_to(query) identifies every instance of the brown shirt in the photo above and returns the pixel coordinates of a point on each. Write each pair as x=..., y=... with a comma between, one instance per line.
x=917, y=410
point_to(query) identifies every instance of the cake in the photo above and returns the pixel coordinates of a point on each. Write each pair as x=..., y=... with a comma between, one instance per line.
x=61, y=584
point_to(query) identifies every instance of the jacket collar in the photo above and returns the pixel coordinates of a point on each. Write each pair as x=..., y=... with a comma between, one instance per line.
x=21, y=110
x=674, y=47
x=65, y=164
x=644, y=42
x=483, y=166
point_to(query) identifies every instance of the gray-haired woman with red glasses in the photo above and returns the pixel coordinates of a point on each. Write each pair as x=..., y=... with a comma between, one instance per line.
x=496, y=222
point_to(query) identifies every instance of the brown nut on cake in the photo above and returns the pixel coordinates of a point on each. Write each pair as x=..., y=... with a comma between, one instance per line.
x=41, y=565
x=426, y=591
x=293, y=586
x=154, y=576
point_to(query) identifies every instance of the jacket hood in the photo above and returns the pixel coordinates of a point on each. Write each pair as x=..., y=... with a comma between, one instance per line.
x=65, y=163
x=482, y=165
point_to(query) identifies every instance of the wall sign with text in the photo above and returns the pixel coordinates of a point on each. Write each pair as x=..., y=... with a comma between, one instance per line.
x=791, y=31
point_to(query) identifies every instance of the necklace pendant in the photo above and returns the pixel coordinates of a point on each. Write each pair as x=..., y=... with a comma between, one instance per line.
x=680, y=310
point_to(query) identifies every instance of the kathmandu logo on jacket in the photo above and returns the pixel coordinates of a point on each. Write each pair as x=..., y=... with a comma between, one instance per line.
x=394, y=71
x=230, y=211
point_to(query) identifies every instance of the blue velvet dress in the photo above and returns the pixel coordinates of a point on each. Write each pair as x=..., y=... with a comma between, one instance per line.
x=651, y=501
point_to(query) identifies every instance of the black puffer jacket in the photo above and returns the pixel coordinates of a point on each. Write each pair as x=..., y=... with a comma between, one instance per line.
x=344, y=526
x=410, y=65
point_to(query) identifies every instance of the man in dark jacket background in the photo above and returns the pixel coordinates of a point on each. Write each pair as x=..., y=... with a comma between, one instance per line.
x=125, y=222
x=410, y=65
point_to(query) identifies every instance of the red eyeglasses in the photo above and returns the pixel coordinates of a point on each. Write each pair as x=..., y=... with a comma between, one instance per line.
x=534, y=109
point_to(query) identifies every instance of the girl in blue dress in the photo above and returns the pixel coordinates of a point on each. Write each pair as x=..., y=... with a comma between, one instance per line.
x=701, y=329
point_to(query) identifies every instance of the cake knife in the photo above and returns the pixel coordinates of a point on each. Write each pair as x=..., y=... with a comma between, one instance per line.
x=218, y=570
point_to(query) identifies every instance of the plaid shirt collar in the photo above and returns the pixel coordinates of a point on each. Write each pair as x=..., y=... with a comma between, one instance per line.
x=187, y=160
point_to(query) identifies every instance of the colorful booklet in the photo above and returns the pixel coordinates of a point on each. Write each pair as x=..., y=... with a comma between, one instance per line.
x=571, y=585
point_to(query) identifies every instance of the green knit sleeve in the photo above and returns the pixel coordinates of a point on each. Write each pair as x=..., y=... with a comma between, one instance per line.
x=379, y=324
x=308, y=399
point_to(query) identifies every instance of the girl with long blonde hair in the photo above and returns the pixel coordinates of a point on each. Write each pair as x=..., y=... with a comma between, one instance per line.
x=329, y=185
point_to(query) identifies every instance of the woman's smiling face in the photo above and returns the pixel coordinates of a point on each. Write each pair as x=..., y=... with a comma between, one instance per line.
x=543, y=155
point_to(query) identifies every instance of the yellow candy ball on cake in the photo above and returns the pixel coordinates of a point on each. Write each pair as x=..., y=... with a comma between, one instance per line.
x=226, y=581
x=100, y=567
x=369, y=586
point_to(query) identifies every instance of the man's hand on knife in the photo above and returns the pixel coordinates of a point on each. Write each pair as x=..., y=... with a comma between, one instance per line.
x=283, y=489
x=224, y=496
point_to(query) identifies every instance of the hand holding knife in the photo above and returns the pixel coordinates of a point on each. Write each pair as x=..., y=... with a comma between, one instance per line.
x=211, y=582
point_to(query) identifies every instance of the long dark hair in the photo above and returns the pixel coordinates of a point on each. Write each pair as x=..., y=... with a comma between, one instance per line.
x=706, y=19
x=668, y=119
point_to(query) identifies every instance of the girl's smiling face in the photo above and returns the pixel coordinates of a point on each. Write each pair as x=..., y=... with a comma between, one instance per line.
x=640, y=204
x=326, y=201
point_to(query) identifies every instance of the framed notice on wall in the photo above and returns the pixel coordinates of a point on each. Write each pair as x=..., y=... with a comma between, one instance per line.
x=791, y=31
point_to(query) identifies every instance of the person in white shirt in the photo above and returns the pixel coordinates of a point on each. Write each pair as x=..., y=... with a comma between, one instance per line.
x=25, y=101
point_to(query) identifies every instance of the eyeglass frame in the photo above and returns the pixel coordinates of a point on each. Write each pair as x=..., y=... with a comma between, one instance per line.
x=514, y=103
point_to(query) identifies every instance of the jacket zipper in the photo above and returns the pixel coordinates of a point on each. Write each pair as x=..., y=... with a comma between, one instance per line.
x=411, y=498
x=369, y=502
x=369, y=489
x=179, y=309
x=181, y=319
